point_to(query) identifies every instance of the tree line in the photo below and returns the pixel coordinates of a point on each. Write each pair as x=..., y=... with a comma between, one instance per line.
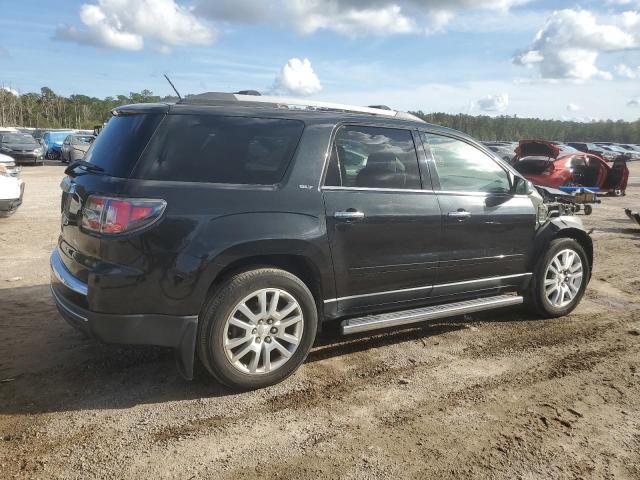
x=505, y=127
x=49, y=110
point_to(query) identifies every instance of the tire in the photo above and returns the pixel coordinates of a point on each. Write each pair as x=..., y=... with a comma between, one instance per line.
x=588, y=209
x=217, y=337
x=536, y=297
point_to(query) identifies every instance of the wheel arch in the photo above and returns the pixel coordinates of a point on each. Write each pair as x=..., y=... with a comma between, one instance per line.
x=302, y=259
x=561, y=227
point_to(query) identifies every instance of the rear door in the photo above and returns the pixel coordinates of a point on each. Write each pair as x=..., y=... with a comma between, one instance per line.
x=383, y=227
x=487, y=229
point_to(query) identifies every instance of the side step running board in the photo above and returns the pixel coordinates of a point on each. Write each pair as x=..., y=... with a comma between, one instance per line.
x=405, y=317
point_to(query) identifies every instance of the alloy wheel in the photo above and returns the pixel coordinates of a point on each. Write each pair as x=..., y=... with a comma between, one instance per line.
x=563, y=278
x=263, y=331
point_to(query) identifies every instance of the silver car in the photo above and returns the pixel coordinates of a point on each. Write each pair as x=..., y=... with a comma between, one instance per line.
x=75, y=146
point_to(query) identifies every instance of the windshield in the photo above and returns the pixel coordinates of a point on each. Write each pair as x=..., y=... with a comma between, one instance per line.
x=82, y=139
x=18, y=138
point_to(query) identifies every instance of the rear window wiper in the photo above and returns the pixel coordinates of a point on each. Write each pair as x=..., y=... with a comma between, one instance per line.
x=88, y=167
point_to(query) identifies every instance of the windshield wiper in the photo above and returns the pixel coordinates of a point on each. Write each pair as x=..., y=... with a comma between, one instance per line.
x=88, y=167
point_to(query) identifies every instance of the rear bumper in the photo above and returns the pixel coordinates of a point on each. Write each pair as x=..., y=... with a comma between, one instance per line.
x=178, y=332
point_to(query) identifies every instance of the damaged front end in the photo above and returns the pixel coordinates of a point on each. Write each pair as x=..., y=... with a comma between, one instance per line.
x=551, y=202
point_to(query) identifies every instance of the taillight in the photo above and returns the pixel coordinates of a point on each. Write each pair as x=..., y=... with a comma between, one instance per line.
x=120, y=215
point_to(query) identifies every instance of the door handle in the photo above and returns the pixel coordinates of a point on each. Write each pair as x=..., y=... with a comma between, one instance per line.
x=348, y=215
x=460, y=215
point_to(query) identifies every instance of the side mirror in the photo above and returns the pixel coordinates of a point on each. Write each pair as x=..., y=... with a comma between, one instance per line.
x=522, y=186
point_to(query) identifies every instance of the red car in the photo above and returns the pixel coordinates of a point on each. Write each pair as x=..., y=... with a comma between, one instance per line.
x=547, y=164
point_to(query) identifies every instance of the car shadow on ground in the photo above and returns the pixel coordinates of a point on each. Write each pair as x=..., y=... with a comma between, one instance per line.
x=46, y=366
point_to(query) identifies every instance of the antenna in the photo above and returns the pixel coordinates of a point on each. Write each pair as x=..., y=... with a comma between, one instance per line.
x=173, y=86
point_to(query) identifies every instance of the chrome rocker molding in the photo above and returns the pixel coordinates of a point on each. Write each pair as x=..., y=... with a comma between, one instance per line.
x=394, y=319
x=65, y=277
x=427, y=287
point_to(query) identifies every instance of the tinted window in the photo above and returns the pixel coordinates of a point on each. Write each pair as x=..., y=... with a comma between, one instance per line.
x=372, y=157
x=462, y=167
x=118, y=147
x=205, y=148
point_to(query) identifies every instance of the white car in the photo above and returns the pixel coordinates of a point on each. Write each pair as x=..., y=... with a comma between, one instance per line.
x=11, y=191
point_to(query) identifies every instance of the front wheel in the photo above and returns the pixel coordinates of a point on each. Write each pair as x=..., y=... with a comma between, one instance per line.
x=560, y=279
x=257, y=328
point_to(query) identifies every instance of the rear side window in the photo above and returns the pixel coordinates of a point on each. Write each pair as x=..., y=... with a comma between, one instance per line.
x=206, y=148
x=119, y=145
x=374, y=157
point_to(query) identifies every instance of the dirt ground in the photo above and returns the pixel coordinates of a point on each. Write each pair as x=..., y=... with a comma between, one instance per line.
x=497, y=395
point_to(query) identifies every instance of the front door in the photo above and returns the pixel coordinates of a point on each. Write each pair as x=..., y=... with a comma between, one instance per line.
x=487, y=228
x=384, y=228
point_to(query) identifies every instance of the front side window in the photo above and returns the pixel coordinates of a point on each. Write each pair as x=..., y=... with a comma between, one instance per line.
x=374, y=157
x=462, y=167
x=218, y=149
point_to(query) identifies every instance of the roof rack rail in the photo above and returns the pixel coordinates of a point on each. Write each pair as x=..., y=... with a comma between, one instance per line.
x=290, y=102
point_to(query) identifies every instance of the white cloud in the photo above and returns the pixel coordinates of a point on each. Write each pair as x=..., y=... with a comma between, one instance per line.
x=10, y=90
x=352, y=17
x=634, y=102
x=315, y=15
x=626, y=71
x=297, y=78
x=127, y=24
x=570, y=42
x=572, y=107
x=494, y=103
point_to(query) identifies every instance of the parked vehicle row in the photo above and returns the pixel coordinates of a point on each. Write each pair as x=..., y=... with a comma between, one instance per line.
x=609, y=151
x=33, y=146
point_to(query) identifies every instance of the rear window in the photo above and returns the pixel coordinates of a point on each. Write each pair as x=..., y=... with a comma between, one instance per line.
x=206, y=148
x=119, y=145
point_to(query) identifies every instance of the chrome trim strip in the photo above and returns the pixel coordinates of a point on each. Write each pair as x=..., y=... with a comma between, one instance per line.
x=64, y=276
x=384, y=190
x=386, y=320
x=388, y=292
x=60, y=304
x=487, y=279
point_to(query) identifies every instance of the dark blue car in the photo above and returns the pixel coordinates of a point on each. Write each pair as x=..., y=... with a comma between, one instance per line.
x=52, y=143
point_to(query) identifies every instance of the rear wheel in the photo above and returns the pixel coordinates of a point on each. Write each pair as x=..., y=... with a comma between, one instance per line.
x=560, y=279
x=257, y=328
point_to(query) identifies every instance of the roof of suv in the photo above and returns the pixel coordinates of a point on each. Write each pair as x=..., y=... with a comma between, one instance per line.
x=220, y=104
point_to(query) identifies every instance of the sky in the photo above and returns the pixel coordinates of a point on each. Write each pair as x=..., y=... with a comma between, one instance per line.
x=570, y=60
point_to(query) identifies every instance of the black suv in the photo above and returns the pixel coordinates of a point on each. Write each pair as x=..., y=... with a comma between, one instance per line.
x=237, y=226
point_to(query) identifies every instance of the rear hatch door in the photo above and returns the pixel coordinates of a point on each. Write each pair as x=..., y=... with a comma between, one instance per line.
x=112, y=158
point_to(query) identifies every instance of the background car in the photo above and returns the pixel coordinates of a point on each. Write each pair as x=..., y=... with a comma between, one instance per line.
x=504, y=150
x=591, y=148
x=9, y=165
x=21, y=147
x=75, y=146
x=11, y=192
x=547, y=164
x=52, y=142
